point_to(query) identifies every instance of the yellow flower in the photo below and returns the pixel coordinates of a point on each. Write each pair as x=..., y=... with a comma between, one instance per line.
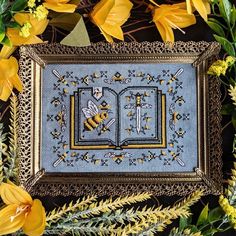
x=202, y=6
x=37, y=27
x=25, y=35
x=169, y=17
x=229, y=210
x=109, y=16
x=21, y=211
x=230, y=60
x=218, y=68
x=40, y=13
x=9, y=78
x=31, y=3
x=232, y=93
x=59, y=5
x=25, y=30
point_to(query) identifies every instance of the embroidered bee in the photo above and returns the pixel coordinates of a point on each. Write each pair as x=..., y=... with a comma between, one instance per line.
x=94, y=117
x=174, y=77
x=176, y=157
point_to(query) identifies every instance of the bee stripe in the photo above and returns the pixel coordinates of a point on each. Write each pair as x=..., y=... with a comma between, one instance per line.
x=92, y=123
x=88, y=126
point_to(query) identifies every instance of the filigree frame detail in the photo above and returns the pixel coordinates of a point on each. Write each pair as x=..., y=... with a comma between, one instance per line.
x=207, y=176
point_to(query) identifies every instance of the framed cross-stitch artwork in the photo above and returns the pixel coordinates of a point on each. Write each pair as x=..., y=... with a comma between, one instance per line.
x=119, y=118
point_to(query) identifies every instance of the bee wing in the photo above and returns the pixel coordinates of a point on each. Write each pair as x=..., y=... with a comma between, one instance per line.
x=87, y=112
x=93, y=107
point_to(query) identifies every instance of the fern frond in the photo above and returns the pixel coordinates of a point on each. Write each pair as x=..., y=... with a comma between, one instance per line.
x=108, y=205
x=13, y=160
x=56, y=214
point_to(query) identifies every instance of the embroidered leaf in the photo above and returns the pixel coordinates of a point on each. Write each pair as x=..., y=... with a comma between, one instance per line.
x=78, y=36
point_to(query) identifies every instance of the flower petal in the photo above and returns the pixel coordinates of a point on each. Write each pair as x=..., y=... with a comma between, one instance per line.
x=120, y=12
x=6, y=51
x=60, y=7
x=201, y=8
x=16, y=82
x=12, y=194
x=107, y=36
x=6, y=225
x=101, y=11
x=36, y=220
x=9, y=68
x=6, y=90
x=113, y=30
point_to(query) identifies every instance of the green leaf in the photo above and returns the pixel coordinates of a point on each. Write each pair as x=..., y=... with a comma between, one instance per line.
x=78, y=36
x=6, y=41
x=13, y=24
x=233, y=16
x=3, y=6
x=18, y=5
x=217, y=22
x=210, y=232
x=183, y=222
x=216, y=213
x=66, y=21
x=226, y=44
x=217, y=28
x=225, y=9
x=202, y=219
x=2, y=29
x=227, y=109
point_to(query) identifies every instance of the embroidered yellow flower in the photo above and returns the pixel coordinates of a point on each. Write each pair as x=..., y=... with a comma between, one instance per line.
x=59, y=5
x=109, y=16
x=169, y=17
x=202, y=6
x=40, y=13
x=21, y=211
x=9, y=78
x=232, y=93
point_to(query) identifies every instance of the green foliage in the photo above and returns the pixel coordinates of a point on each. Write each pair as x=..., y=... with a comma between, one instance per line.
x=225, y=30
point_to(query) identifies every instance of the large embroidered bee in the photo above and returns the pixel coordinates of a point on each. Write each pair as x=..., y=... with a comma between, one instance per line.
x=94, y=117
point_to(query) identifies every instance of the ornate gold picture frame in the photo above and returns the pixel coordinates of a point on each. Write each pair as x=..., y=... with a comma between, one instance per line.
x=120, y=118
